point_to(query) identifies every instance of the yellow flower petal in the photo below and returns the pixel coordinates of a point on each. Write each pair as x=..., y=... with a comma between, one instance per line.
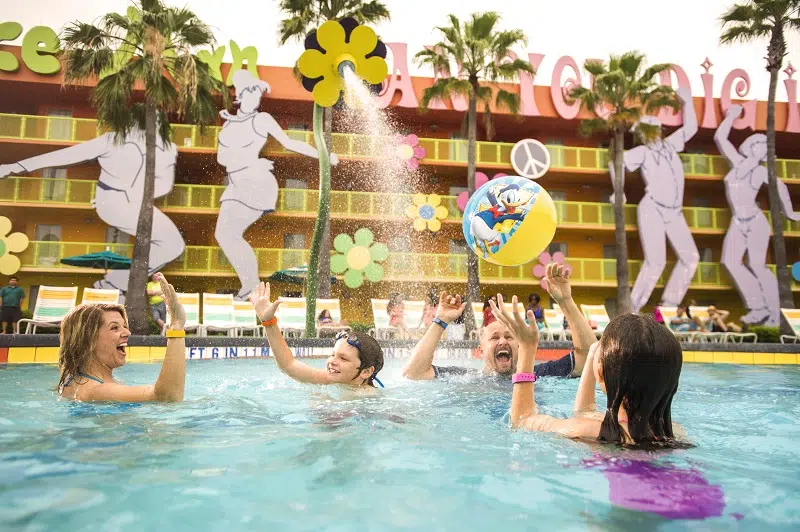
x=434, y=225
x=313, y=64
x=412, y=211
x=17, y=242
x=5, y=226
x=326, y=92
x=419, y=224
x=362, y=41
x=374, y=70
x=331, y=37
x=418, y=199
x=434, y=200
x=442, y=212
x=9, y=264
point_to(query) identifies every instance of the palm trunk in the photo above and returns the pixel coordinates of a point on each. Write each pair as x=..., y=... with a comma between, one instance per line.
x=623, y=276
x=776, y=213
x=324, y=273
x=473, y=278
x=136, y=298
x=323, y=212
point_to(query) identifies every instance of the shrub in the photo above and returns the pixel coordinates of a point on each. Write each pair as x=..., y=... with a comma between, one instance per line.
x=768, y=335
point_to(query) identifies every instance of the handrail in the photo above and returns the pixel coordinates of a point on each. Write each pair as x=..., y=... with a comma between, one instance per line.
x=356, y=146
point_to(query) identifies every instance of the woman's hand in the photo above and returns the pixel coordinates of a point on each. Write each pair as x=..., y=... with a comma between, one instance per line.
x=177, y=315
x=260, y=298
x=525, y=333
x=557, y=279
x=450, y=307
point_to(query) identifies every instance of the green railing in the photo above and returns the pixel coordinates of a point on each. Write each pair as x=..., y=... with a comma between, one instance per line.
x=210, y=260
x=79, y=193
x=355, y=146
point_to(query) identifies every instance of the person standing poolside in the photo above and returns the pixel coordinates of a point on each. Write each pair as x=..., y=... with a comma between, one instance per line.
x=356, y=359
x=11, y=297
x=158, y=308
x=94, y=342
x=499, y=346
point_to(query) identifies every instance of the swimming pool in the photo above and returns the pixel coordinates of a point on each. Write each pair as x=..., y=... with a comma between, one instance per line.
x=252, y=450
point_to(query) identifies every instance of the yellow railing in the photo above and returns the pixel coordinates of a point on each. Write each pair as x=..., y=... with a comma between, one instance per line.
x=344, y=204
x=399, y=266
x=355, y=146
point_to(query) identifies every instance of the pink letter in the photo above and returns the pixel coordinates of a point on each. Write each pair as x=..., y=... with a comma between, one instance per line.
x=557, y=92
x=399, y=79
x=792, y=112
x=748, y=119
x=527, y=101
x=709, y=116
x=667, y=116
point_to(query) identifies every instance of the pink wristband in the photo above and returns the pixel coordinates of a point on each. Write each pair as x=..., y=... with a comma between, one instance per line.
x=523, y=377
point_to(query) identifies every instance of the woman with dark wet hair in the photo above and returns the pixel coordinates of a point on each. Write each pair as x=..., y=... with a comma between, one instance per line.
x=637, y=363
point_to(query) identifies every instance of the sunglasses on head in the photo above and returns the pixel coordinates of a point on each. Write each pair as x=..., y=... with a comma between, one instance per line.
x=353, y=341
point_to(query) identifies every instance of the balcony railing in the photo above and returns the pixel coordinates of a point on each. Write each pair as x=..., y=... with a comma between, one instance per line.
x=209, y=260
x=355, y=146
x=78, y=193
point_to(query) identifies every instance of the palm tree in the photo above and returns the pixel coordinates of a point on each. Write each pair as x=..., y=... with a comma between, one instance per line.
x=149, y=48
x=480, y=50
x=303, y=17
x=750, y=21
x=623, y=90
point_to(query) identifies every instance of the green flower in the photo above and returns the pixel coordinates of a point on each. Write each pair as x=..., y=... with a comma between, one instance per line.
x=358, y=259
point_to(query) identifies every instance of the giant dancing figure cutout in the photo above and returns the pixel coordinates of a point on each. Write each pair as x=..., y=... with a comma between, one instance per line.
x=749, y=230
x=252, y=189
x=120, y=190
x=660, y=213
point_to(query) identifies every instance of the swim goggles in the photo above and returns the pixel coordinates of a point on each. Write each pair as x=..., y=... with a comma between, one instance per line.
x=352, y=340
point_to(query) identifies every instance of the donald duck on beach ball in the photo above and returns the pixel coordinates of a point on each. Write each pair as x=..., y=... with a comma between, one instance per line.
x=509, y=221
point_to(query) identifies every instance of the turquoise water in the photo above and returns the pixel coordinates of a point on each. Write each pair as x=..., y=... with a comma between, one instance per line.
x=252, y=450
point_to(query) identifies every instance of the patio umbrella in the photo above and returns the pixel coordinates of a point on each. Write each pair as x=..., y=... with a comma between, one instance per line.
x=105, y=260
x=296, y=275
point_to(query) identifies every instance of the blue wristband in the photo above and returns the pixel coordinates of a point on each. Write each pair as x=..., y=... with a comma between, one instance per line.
x=439, y=322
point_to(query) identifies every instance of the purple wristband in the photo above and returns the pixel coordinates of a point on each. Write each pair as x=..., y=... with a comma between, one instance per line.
x=523, y=377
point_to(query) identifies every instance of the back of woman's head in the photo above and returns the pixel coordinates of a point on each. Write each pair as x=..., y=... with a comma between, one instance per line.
x=641, y=362
x=78, y=337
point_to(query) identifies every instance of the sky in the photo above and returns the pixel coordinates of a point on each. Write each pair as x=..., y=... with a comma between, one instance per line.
x=679, y=31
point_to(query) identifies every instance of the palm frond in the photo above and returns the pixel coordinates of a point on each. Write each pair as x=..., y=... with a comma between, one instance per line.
x=443, y=88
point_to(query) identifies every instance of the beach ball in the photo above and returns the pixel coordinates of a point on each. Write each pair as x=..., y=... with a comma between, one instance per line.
x=509, y=221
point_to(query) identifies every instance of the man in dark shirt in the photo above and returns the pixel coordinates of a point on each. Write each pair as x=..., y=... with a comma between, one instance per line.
x=499, y=348
x=11, y=297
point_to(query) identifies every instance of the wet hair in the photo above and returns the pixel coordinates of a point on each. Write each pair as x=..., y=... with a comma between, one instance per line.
x=641, y=367
x=322, y=314
x=78, y=338
x=370, y=354
x=13, y=278
x=534, y=298
x=486, y=303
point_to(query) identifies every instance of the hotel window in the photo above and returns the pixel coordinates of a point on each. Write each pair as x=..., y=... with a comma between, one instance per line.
x=294, y=254
x=294, y=194
x=54, y=190
x=696, y=162
x=556, y=247
x=609, y=266
x=298, y=132
x=556, y=149
x=59, y=124
x=452, y=206
x=457, y=262
x=115, y=236
x=457, y=147
x=47, y=250
x=559, y=197
x=699, y=218
x=709, y=273
x=400, y=244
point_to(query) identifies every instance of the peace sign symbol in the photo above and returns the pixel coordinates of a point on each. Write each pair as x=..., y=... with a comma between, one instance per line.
x=530, y=158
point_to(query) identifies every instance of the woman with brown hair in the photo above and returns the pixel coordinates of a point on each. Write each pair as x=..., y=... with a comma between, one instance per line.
x=93, y=343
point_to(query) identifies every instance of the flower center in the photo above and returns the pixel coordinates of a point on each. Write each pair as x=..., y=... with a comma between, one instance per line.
x=2, y=247
x=358, y=257
x=404, y=151
x=426, y=212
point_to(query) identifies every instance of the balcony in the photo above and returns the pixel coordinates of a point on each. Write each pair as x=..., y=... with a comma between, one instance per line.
x=438, y=268
x=351, y=146
x=204, y=199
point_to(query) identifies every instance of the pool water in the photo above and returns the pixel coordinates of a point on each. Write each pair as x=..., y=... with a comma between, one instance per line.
x=250, y=449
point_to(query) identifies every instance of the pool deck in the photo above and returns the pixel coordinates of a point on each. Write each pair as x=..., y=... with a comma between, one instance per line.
x=43, y=349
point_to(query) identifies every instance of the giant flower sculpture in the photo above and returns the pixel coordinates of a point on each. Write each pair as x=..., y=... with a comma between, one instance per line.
x=480, y=180
x=10, y=243
x=544, y=259
x=409, y=150
x=335, y=46
x=358, y=258
x=427, y=212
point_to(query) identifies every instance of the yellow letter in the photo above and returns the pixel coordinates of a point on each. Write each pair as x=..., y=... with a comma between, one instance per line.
x=38, y=48
x=8, y=32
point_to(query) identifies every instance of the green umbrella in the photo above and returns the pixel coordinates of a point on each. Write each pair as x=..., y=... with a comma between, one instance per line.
x=104, y=260
x=296, y=275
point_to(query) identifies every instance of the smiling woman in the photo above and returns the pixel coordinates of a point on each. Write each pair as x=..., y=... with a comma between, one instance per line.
x=94, y=339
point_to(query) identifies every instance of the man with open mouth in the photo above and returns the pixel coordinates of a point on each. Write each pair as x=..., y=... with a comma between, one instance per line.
x=498, y=346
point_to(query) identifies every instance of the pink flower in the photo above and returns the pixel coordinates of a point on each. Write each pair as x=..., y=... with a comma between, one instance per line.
x=409, y=150
x=480, y=180
x=544, y=259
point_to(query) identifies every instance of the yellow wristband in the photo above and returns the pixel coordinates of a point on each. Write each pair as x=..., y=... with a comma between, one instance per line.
x=270, y=322
x=176, y=333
